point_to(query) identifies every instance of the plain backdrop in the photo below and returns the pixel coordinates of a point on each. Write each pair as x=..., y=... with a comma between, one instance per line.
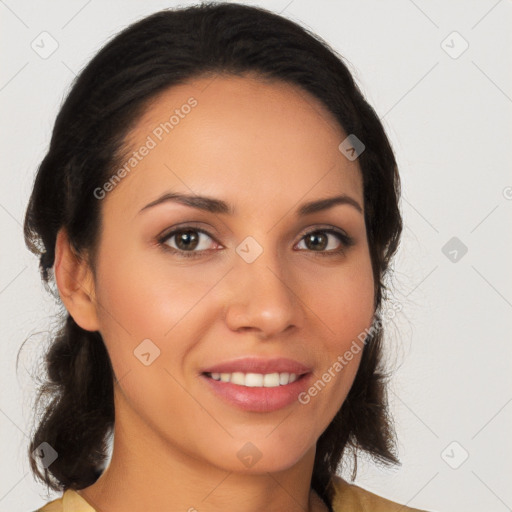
x=439, y=76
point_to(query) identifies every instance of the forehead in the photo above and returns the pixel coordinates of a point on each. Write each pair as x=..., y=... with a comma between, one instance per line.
x=240, y=138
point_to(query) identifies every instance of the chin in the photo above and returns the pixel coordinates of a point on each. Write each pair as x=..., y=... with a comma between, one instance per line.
x=264, y=455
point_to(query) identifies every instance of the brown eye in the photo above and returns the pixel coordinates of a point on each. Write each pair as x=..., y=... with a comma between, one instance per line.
x=188, y=241
x=323, y=241
x=316, y=241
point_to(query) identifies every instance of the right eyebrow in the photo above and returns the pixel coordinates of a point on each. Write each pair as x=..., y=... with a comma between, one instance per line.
x=208, y=204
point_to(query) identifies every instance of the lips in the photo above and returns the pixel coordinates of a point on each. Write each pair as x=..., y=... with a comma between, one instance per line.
x=259, y=365
x=258, y=399
x=251, y=396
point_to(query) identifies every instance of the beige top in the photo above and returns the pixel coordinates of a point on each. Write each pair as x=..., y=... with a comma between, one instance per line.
x=347, y=498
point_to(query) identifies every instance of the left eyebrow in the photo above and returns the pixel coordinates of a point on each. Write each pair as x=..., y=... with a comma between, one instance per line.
x=213, y=205
x=329, y=202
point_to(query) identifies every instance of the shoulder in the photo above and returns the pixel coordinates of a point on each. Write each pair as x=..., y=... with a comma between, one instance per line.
x=70, y=501
x=346, y=497
x=350, y=497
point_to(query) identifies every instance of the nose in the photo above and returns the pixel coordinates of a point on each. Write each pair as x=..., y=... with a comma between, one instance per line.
x=261, y=297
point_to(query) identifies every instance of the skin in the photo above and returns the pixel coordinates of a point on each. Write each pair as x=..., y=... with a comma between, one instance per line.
x=266, y=148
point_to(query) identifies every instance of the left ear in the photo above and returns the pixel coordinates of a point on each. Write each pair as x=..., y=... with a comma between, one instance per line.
x=75, y=282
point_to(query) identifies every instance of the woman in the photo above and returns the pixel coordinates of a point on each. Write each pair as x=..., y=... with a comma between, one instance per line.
x=218, y=208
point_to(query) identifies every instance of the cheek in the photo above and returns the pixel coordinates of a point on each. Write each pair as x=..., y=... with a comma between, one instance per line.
x=148, y=308
x=143, y=297
x=343, y=298
x=344, y=305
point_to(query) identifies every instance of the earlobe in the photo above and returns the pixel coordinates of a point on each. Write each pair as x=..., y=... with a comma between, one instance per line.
x=75, y=283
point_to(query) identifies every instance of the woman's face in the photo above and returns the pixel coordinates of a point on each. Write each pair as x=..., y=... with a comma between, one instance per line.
x=249, y=276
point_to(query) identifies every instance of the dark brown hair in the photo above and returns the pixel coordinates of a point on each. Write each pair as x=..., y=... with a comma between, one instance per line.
x=104, y=103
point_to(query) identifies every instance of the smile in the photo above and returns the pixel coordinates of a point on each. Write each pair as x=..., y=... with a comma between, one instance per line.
x=254, y=380
x=257, y=392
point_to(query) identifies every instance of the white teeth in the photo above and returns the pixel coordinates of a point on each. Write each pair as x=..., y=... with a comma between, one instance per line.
x=237, y=378
x=253, y=380
x=256, y=380
x=270, y=380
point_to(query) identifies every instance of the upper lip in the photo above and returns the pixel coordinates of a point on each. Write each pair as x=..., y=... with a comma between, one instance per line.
x=259, y=365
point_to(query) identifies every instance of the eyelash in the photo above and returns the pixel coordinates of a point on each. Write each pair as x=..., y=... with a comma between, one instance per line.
x=346, y=242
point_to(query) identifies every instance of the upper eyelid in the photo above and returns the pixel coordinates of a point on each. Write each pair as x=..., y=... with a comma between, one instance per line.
x=166, y=234
x=324, y=227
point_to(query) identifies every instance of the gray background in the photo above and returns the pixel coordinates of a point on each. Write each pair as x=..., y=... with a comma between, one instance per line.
x=448, y=115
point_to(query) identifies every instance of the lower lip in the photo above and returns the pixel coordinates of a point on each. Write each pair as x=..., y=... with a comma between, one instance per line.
x=259, y=399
